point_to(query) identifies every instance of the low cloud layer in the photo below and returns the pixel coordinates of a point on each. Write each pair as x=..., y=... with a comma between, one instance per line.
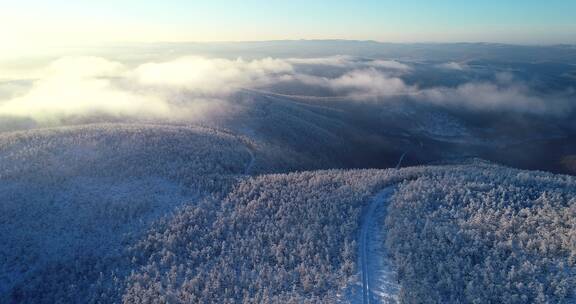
x=210, y=76
x=185, y=88
x=80, y=86
x=360, y=83
x=453, y=66
x=192, y=88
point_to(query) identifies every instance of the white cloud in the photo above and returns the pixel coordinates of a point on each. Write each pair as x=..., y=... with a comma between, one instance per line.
x=489, y=96
x=351, y=62
x=360, y=83
x=211, y=76
x=83, y=67
x=185, y=88
x=193, y=88
x=340, y=61
x=369, y=82
x=79, y=86
x=391, y=64
x=10, y=89
x=453, y=66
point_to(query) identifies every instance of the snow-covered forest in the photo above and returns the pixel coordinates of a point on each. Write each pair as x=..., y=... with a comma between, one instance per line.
x=153, y=214
x=396, y=173
x=485, y=235
x=72, y=197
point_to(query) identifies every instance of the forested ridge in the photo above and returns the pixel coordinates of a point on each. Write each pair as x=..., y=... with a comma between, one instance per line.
x=493, y=235
x=274, y=239
x=72, y=198
x=166, y=214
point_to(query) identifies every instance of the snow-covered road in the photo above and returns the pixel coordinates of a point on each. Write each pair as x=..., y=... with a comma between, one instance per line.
x=378, y=275
x=250, y=165
x=400, y=160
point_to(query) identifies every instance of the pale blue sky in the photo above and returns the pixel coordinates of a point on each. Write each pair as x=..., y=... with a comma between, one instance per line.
x=26, y=22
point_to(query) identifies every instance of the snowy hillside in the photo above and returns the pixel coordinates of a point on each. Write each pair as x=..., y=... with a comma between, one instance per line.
x=73, y=197
x=485, y=235
x=137, y=233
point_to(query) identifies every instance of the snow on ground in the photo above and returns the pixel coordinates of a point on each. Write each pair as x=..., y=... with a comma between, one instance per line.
x=377, y=278
x=86, y=216
x=73, y=197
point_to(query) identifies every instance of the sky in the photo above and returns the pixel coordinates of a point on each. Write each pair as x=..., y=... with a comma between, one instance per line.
x=40, y=23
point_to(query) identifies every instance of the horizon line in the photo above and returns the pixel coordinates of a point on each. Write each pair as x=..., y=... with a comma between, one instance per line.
x=572, y=44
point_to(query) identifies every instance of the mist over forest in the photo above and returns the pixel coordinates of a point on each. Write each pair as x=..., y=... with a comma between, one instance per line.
x=296, y=171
